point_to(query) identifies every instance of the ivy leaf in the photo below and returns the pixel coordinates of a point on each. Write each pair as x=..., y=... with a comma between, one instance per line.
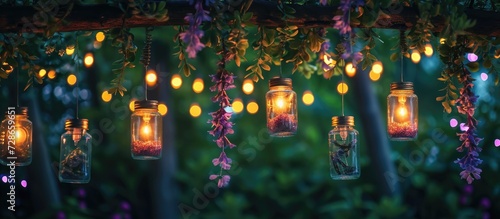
x=439, y=99
x=447, y=107
x=394, y=57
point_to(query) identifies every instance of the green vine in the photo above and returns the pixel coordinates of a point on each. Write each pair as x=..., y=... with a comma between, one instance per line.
x=184, y=66
x=368, y=36
x=266, y=38
x=124, y=39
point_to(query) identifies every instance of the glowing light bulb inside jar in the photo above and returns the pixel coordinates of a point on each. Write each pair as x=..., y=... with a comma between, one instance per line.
x=281, y=108
x=21, y=136
x=77, y=135
x=402, y=112
x=146, y=131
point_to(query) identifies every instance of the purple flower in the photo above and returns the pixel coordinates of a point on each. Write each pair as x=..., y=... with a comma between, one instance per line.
x=223, y=181
x=468, y=189
x=81, y=193
x=125, y=206
x=192, y=36
x=470, y=141
x=223, y=161
x=323, y=2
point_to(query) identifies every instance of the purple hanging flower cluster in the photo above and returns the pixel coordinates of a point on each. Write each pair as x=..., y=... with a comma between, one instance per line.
x=221, y=124
x=342, y=23
x=192, y=36
x=470, y=141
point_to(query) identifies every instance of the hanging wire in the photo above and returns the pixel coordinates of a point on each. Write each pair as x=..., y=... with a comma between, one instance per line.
x=342, y=88
x=146, y=57
x=282, y=44
x=77, y=63
x=17, y=79
x=402, y=44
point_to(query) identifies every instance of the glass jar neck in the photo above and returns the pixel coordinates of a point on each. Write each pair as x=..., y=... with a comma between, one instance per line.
x=280, y=88
x=146, y=110
x=402, y=92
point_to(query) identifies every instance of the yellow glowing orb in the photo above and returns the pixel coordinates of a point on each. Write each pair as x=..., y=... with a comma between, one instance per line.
x=99, y=37
x=402, y=113
x=428, y=50
x=377, y=67
x=350, y=70
x=442, y=40
x=42, y=73
x=195, y=110
x=247, y=86
x=52, y=74
x=198, y=85
x=151, y=77
x=374, y=76
x=131, y=105
x=176, y=81
x=252, y=107
x=88, y=60
x=21, y=135
x=237, y=105
x=162, y=109
x=71, y=79
x=342, y=88
x=70, y=50
x=106, y=96
x=415, y=57
x=308, y=98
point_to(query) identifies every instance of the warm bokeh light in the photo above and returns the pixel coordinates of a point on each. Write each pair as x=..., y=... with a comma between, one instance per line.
x=237, y=105
x=71, y=79
x=308, y=98
x=52, y=74
x=247, y=86
x=97, y=45
x=198, y=85
x=453, y=123
x=106, y=96
x=377, y=67
x=88, y=59
x=415, y=56
x=195, y=110
x=70, y=50
x=131, y=105
x=442, y=40
x=428, y=50
x=176, y=81
x=162, y=109
x=99, y=36
x=374, y=76
x=252, y=107
x=350, y=70
x=42, y=73
x=484, y=76
x=151, y=77
x=342, y=88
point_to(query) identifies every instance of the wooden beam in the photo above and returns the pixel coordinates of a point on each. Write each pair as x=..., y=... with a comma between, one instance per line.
x=102, y=16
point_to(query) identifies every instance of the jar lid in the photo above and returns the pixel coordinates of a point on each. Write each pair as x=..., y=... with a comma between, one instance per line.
x=402, y=86
x=146, y=104
x=21, y=111
x=279, y=81
x=343, y=120
x=77, y=123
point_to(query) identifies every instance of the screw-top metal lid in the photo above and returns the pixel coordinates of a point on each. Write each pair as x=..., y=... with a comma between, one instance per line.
x=343, y=120
x=77, y=123
x=402, y=86
x=21, y=111
x=146, y=104
x=279, y=81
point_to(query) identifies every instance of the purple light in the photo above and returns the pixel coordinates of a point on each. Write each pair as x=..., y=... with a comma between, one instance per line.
x=484, y=76
x=472, y=57
x=497, y=143
x=463, y=127
x=453, y=123
x=24, y=183
x=4, y=179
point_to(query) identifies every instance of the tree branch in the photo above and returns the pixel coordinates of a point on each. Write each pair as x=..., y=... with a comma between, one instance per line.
x=102, y=16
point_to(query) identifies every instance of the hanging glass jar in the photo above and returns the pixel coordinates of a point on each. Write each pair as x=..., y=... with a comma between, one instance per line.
x=402, y=112
x=281, y=108
x=16, y=137
x=343, y=139
x=146, y=126
x=76, y=152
